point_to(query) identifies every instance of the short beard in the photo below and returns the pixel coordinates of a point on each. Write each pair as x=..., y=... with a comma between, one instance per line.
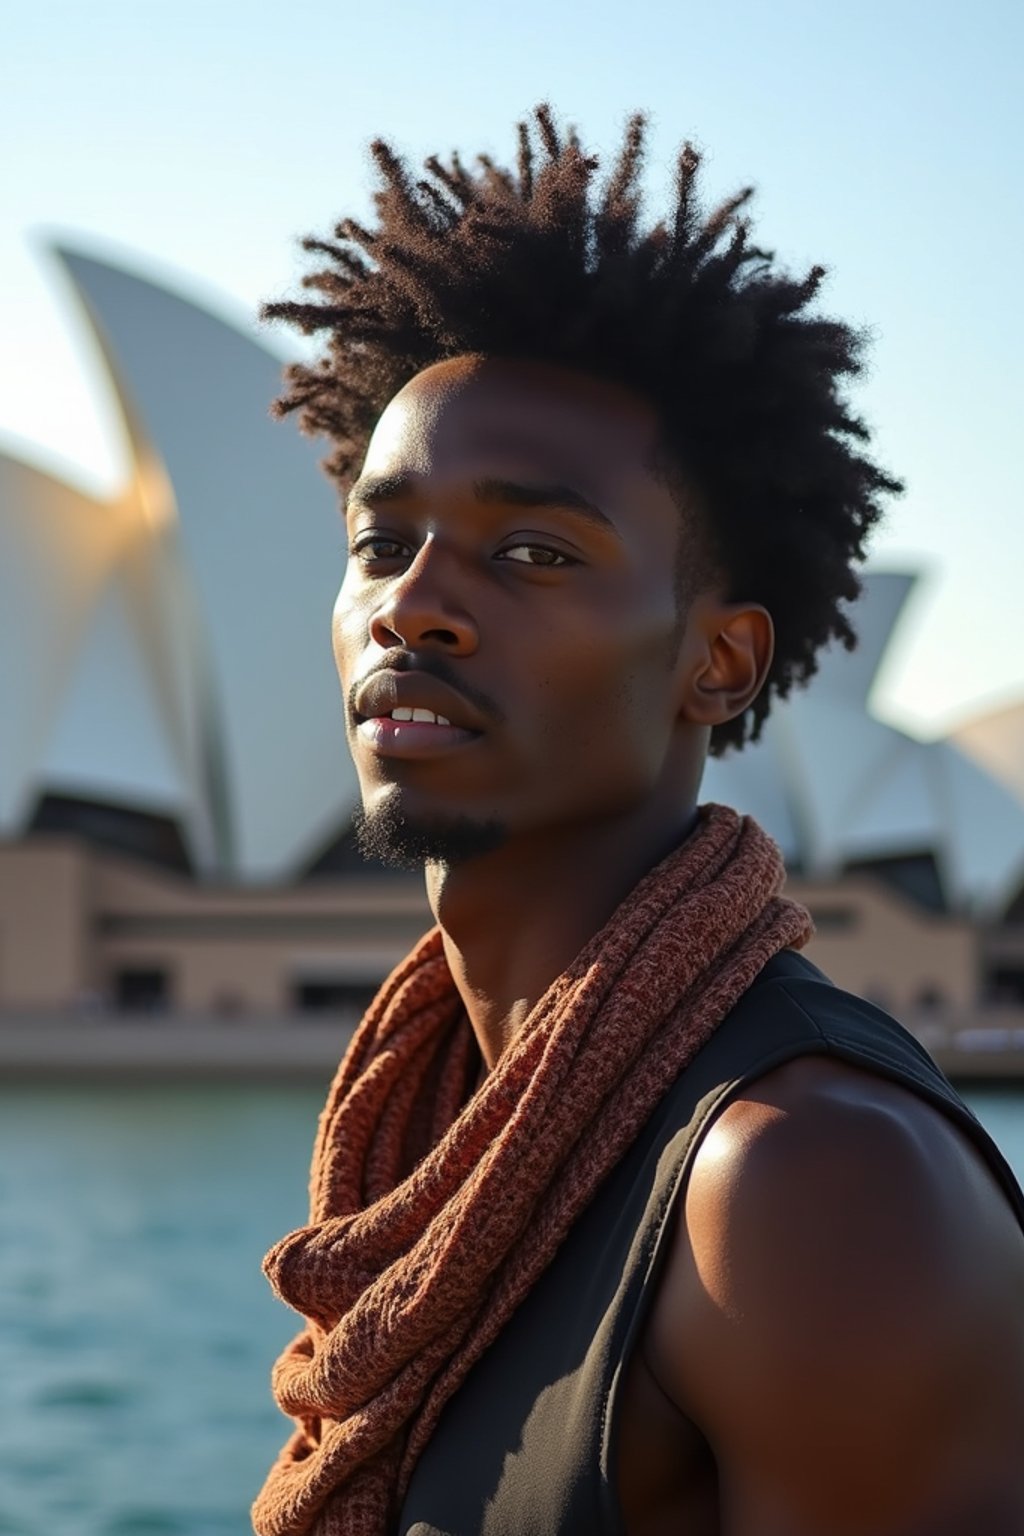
x=388, y=837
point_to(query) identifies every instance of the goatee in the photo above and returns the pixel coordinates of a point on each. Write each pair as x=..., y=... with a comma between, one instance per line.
x=390, y=837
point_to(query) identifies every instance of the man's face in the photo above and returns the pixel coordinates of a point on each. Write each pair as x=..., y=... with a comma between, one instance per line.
x=513, y=569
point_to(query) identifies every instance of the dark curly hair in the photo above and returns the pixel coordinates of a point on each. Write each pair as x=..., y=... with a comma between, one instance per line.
x=689, y=314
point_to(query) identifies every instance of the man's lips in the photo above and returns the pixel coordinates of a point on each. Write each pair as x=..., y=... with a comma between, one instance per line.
x=385, y=691
x=412, y=738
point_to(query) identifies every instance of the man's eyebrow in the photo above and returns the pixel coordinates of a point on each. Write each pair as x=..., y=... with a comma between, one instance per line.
x=375, y=490
x=379, y=488
x=512, y=493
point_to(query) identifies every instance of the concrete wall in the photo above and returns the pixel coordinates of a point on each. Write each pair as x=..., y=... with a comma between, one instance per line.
x=72, y=918
x=45, y=958
x=872, y=942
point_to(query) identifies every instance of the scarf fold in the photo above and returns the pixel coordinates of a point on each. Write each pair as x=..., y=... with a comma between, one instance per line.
x=434, y=1209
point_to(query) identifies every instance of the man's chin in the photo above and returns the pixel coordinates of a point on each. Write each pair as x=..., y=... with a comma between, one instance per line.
x=387, y=836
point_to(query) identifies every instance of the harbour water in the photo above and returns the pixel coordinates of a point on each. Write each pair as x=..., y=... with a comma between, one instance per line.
x=136, y=1329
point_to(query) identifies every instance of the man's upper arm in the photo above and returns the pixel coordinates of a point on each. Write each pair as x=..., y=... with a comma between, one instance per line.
x=842, y=1315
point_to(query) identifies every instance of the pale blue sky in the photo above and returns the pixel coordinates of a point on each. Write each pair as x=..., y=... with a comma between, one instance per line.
x=887, y=140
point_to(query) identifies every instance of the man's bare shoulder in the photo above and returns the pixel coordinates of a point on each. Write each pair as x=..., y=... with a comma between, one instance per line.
x=842, y=1314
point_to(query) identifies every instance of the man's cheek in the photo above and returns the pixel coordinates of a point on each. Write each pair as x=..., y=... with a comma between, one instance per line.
x=348, y=630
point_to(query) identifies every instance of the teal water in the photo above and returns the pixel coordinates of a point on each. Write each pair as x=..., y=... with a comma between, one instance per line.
x=136, y=1329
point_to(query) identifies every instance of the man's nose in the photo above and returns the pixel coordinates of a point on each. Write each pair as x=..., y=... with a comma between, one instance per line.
x=423, y=606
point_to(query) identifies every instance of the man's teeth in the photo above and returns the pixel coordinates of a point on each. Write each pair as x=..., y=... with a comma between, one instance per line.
x=419, y=714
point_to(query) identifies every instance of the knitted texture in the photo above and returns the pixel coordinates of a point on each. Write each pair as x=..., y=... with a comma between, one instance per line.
x=434, y=1209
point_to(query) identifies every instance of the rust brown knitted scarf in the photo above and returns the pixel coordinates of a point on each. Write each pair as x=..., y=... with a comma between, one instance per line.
x=434, y=1209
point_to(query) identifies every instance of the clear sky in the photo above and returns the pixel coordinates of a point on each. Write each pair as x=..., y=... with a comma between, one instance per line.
x=886, y=137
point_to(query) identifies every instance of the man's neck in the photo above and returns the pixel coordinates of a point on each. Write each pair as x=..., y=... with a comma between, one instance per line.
x=514, y=919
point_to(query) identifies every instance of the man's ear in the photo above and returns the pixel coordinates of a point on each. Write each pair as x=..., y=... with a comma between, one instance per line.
x=726, y=654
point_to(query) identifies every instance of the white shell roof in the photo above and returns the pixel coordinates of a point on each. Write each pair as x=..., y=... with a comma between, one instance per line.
x=835, y=786
x=256, y=529
x=91, y=702
x=171, y=650
x=996, y=741
x=110, y=739
x=60, y=564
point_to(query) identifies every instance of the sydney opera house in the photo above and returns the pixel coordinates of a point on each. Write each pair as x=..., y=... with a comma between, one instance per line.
x=175, y=790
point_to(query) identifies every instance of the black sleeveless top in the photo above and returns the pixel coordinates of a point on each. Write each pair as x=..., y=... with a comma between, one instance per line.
x=526, y=1445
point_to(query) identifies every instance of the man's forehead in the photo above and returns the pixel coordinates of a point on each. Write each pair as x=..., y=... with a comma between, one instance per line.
x=488, y=414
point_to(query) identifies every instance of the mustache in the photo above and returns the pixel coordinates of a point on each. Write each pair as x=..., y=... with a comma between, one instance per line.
x=438, y=668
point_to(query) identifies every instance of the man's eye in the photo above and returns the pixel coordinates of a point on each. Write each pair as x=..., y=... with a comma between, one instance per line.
x=378, y=547
x=535, y=554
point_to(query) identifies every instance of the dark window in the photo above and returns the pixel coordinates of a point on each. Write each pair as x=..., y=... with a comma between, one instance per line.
x=136, y=833
x=1005, y=984
x=929, y=998
x=834, y=919
x=914, y=875
x=143, y=989
x=333, y=997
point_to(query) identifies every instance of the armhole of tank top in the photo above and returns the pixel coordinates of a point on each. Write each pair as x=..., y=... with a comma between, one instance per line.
x=643, y=1289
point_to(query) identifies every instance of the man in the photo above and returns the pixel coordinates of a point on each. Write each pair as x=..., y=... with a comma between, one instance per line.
x=623, y=1218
